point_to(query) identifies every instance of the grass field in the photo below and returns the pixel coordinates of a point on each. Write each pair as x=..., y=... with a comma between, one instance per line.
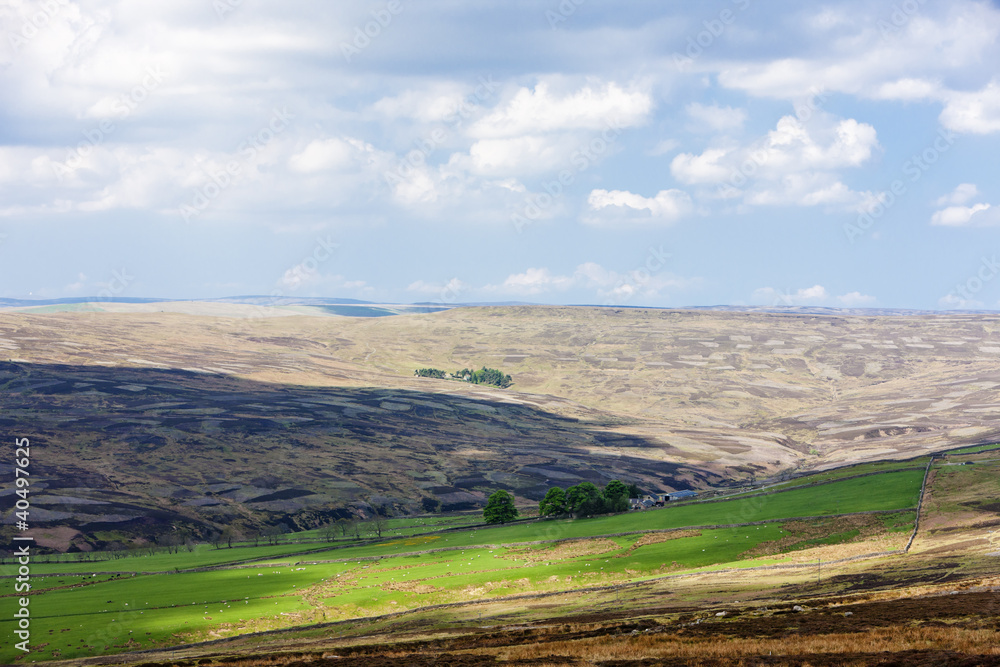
x=840, y=473
x=972, y=450
x=75, y=615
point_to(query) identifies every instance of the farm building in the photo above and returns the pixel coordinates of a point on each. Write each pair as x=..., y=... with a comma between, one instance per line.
x=660, y=499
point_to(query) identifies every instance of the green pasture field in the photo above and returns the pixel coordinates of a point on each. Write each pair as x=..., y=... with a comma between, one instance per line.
x=204, y=555
x=840, y=473
x=888, y=491
x=975, y=449
x=403, y=526
x=74, y=616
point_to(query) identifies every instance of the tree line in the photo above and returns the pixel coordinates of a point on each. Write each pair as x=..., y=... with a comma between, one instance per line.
x=585, y=499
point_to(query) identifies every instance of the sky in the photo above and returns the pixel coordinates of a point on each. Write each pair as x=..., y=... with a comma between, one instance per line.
x=667, y=154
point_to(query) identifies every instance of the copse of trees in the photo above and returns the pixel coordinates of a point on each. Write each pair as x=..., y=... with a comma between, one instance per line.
x=485, y=376
x=585, y=499
x=490, y=376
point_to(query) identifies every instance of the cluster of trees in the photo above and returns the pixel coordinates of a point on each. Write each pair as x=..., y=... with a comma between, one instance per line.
x=585, y=499
x=484, y=376
x=491, y=376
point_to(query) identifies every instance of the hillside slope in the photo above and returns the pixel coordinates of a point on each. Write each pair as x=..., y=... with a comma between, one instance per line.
x=209, y=420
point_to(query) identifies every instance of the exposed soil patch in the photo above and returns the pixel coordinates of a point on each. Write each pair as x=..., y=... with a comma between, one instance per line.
x=562, y=551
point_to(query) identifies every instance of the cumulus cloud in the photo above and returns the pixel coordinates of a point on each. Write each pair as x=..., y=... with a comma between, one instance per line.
x=305, y=276
x=955, y=302
x=620, y=207
x=714, y=165
x=324, y=155
x=974, y=112
x=904, y=62
x=525, y=155
x=607, y=285
x=541, y=109
x=860, y=53
x=954, y=212
x=817, y=295
x=854, y=299
x=960, y=195
x=796, y=163
x=977, y=215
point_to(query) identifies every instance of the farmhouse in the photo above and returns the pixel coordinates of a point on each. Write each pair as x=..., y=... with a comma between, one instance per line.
x=660, y=499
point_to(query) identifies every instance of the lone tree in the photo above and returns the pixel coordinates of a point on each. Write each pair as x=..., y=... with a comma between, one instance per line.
x=500, y=508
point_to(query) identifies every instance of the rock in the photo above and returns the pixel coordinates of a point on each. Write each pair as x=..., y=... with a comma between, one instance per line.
x=848, y=613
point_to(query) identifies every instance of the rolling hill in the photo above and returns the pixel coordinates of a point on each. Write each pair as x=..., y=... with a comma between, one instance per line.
x=146, y=419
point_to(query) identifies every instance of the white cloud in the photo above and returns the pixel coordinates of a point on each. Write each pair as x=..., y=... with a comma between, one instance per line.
x=908, y=89
x=705, y=168
x=817, y=295
x=814, y=295
x=866, y=61
x=304, y=276
x=955, y=214
x=534, y=281
x=524, y=155
x=435, y=105
x=79, y=284
x=618, y=207
x=914, y=60
x=975, y=112
x=607, y=285
x=796, y=163
x=955, y=302
x=960, y=195
x=716, y=118
x=977, y=215
x=854, y=299
x=592, y=107
x=323, y=155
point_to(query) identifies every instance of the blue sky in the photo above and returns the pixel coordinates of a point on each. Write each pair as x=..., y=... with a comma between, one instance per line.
x=583, y=151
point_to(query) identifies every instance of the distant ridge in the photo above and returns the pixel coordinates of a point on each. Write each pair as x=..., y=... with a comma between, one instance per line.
x=386, y=308
x=27, y=303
